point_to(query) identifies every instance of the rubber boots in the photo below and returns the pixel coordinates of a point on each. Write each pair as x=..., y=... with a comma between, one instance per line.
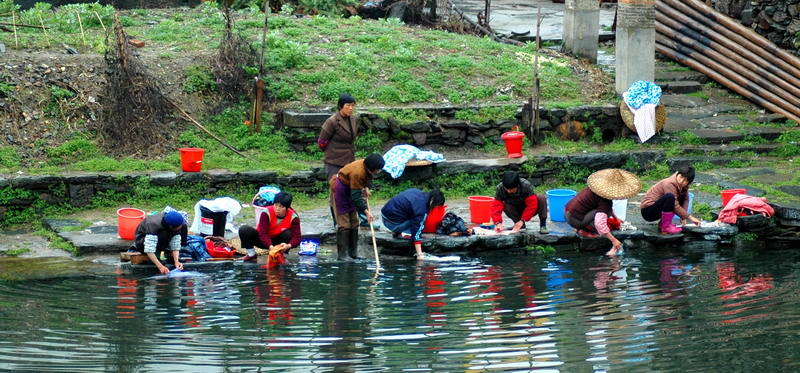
x=666, y=226
x=352, y=250
x=343, y=244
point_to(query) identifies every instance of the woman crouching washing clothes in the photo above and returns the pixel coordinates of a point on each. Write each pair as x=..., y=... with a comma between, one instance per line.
x=588, y=212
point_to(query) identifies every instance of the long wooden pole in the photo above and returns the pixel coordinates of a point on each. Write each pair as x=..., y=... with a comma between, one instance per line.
x=536, y=86
x=83, y=35
x=14, y=23
x=200, y=126
x=374, y=242
x=46, y=37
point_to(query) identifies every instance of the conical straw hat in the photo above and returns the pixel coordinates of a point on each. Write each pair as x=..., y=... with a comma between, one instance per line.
x=614, y=183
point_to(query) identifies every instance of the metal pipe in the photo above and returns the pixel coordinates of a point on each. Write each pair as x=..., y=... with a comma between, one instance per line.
x=735, y=40
x=745, y=68
x=736, y=77
x=686, y=60
x=746, y=58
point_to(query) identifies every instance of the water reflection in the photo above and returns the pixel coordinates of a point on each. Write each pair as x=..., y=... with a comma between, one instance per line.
x=579, y=312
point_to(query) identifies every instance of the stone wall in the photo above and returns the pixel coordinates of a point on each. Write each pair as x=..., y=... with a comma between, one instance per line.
x=79, y=189
x=777, y=20
x=302, y=129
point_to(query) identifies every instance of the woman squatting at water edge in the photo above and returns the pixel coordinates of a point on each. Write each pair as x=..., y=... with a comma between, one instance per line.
x=589, y=211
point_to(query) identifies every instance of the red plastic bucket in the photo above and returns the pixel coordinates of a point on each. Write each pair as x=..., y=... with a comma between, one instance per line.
x=435, y=216
x=128, y=220
x=191, y=159
x=513, y=141
x=479, y=209
x=729, y=193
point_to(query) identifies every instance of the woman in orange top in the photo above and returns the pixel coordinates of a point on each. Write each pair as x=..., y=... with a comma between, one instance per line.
x=279, y=227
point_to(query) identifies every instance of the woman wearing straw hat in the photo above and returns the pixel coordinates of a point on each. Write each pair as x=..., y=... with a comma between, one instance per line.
x=670, y=197
x=588, y=212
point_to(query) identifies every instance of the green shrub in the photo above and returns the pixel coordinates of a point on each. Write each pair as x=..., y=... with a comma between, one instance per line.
x=71, y=151
x=199, y=79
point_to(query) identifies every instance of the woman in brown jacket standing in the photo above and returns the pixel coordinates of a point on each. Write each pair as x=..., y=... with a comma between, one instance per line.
x=337, y=140
x=338, y=137
x=668, y=198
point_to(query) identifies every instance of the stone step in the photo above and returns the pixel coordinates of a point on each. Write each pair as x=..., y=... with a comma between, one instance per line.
x=681, y=87
x=663, y=76
x=723, y=149
x=718, y=136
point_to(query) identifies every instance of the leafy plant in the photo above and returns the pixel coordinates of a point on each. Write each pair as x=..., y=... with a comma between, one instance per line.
x=689, y=138
x=199, y=79
x=746, y=237
x=544, y=249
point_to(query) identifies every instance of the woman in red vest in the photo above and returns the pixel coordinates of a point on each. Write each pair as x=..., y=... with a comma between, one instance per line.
x=278, y=228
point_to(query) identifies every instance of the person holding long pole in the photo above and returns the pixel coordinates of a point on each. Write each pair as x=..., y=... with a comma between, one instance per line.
x=349, y=192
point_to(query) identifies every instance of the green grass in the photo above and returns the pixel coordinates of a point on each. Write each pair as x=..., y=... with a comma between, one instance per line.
x=380, y=62
x=17, y=251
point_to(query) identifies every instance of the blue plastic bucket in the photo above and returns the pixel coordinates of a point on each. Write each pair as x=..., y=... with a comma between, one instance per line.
x=691, y=200
x=556, y=201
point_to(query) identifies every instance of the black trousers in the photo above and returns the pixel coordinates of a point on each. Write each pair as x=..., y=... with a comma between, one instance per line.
x=514, y=210
x=249, y=237
x=664, y=204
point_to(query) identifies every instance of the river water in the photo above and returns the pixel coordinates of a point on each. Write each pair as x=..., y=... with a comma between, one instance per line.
x=581, y=312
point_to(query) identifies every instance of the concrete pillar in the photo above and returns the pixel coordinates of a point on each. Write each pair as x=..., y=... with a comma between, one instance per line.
x=636, y=42
x=582, y=28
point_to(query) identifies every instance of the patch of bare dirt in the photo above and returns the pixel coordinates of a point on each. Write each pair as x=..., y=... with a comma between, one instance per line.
x=34, y=120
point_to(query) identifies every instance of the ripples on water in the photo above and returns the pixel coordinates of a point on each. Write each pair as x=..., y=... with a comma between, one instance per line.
x=580, y=312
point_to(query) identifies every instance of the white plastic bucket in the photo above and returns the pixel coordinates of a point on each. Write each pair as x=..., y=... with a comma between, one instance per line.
x=620, y=207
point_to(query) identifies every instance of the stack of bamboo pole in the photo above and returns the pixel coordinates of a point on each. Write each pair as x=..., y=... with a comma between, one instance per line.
x=735, y=56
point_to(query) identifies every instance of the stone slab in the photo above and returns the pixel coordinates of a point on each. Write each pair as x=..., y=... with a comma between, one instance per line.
x=718, y=136
x=749, y=190
x=663, y=75
x=96, y=240
x=793, y=190
x=775, y=179
x=691, y=112
x=741, y=173
x=769, y=133
x=681, y=87
x=720, y=121
x=295, y=119
x=682, y=101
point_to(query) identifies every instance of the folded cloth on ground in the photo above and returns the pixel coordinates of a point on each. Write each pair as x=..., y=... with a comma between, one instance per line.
x=397, y=157
x=642, y=92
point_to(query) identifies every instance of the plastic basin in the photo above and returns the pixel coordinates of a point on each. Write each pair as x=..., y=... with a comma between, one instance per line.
x=191, y=159
x=557, y=200
x=689, y=209
x=435, y=216
x=729, y=193
x=128, y=220
x=479, y=209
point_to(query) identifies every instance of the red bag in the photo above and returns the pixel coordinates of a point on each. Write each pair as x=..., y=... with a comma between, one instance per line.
x=613, y=223
x=217, y=247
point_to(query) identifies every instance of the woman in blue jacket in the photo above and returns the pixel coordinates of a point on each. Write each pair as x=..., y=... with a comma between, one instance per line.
x=405, y=214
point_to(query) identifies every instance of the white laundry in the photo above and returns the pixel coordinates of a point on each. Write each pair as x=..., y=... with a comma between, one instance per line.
x=228, y=204
x=644, y=120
